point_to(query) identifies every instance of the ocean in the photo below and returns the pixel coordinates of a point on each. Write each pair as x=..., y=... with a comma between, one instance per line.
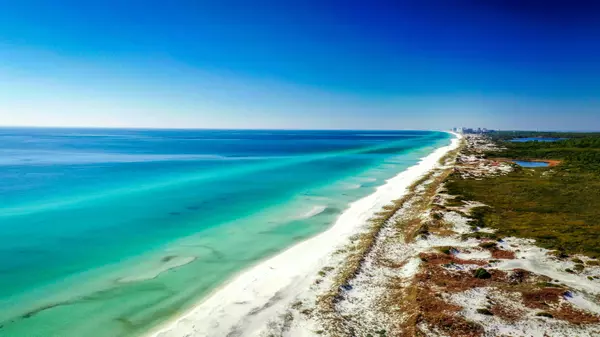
x=110, y=232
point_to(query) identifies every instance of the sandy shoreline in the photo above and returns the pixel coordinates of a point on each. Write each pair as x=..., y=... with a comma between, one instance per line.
x=244, y=305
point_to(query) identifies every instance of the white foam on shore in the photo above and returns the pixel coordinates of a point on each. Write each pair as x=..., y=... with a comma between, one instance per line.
x=244, y=306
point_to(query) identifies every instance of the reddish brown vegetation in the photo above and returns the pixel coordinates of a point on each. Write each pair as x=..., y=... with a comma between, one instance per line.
x=519, y=276
x=439, y=258
x=435, y=312
x=507, y=314
x=503, y=254
x=541, y=298
x=572, y=315
x=520, y=285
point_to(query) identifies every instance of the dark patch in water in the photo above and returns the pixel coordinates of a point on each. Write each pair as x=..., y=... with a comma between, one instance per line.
x=215, y=252
x=168, y=258
x=126, y=323
x=36, y=311
x=174, y=213
x=193, y=208
x=331, y=210
x=100, y=294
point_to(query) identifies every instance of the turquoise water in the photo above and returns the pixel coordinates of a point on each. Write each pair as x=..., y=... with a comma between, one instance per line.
x=111, y=232
x=523, y=163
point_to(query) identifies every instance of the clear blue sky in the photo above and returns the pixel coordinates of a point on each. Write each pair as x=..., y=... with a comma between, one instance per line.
x=301, y=64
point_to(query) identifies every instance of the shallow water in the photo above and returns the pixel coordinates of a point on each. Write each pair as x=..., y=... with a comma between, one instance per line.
x=109, y=232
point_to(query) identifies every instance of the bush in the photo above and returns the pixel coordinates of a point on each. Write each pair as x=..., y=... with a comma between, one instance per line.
x=488, y=245
x=447, y=250
x=482, y=273
x=484, y=311
x=479, y=236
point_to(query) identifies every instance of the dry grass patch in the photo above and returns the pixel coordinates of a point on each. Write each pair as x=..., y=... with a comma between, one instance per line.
x=503, y=254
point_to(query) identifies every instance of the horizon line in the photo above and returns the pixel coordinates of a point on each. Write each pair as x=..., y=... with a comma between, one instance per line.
x=257, y=129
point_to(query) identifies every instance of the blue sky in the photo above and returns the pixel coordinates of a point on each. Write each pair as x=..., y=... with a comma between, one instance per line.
x=301, y=64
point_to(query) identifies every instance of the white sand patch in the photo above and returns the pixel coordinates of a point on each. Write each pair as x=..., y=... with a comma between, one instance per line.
x=460, y=224
x=442, y=241
x=537, y=260
x=531, y=325
x=583, y=302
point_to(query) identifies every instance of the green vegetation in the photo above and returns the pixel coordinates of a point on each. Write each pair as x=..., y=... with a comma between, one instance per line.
x=557, y=206
x=481, y=273
x=549, y=285
x=509, y=135
x=478, y=214
x=480, y=236
x=488, y=245
x=560, y=210
x=485, y=311
x=580, y=151
x=445, y=250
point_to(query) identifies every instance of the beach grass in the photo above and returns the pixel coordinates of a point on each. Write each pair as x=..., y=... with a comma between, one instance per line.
x=415, y=201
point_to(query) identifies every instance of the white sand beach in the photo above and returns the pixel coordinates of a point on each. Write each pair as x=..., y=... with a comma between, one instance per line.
x=245, y=305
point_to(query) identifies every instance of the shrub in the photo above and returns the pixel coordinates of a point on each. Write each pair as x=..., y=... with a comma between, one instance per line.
x=482, y=273
x=479, y=236
x=549, y=285
x=484, y=311
x=446, y=250
x=488, y=245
